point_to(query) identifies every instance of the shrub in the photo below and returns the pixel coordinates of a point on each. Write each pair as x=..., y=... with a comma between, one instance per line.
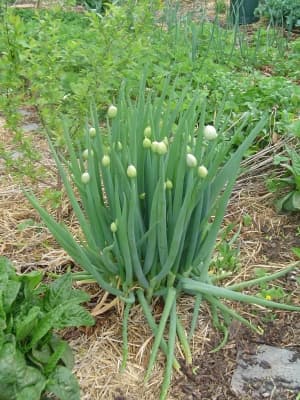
x=284, y=12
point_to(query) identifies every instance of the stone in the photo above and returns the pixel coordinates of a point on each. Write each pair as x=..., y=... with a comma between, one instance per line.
x=271, y=371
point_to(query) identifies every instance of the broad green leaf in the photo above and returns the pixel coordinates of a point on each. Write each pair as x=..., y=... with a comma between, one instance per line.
x=41, y=354
x=2, y=313
x=58, y=291
x=63, y=384
x=10, y=293
x=18, y=381
x=25, y=326
x=70, y=314
x=61, y=291
x=55, y=357
x=6, y=271
x=45, y=324
x=31, y=281
x=67, y=357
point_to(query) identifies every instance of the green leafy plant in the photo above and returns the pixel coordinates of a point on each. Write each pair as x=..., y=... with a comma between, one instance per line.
x=291, y=163
x=152, y=195
x=35, y=361
x=285, y=12
x=267, y=291
x=226, y=251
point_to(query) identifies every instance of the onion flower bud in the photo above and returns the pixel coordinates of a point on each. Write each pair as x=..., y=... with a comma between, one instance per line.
x=113, y=227
x=85, y=154
x=210, y=132
x=202, y=171
x=92, y=132
x=119, y=146
x=112, y=111
x=147, y=131
x=191, y=160
x=154, y=145
x=131, y=171
x=168, y=184
x=146, y=143
x=105, y=160
x=161, y=148
x=85, y=177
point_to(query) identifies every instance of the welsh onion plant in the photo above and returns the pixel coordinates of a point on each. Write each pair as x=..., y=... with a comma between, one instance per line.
x=150, y=191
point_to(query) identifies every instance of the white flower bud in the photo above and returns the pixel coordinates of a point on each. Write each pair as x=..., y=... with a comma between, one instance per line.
x=85, y=177
x=105, y=160
x=161, y=148
x=119, y=145
x=210, y=132
x=131, y=171
x=142, y=196
x=168, y=184
x=85, y=154
x=191, y=160
x=92, y=132
x=112, y=111
x=188, y=149
x=113, y=227
x=146, y=143
x=202, y=171
x=154, y=146
x=147, y=131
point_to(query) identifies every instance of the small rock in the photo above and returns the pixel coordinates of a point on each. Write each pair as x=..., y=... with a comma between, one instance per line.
x=270, y=370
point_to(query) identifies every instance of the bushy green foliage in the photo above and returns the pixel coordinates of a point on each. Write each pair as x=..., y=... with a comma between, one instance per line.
x=34, y=360
x=284, y=12
x=57, y=60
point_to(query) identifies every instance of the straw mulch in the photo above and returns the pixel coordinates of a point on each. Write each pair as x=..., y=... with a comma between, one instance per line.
x=265, y=243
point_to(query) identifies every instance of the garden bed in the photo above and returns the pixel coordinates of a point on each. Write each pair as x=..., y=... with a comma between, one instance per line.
x=263, y=240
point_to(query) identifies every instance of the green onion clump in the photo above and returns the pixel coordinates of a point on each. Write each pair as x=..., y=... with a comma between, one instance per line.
x=153, y=186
